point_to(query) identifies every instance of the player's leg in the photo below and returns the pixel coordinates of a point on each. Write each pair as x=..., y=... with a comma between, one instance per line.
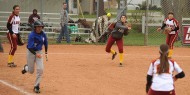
x=40, y=68
x=29, y=67
x=167, y=39
x=172, y=40
x=13, y=42
x=110, y=42
x=120, y=48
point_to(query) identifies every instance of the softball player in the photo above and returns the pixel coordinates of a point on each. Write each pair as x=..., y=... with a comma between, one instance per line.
x=121, y=28
x=171, y=24
x=160, y=79
x=36, y=40
x=13, y=29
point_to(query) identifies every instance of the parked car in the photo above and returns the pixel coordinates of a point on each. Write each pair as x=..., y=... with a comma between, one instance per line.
x=133, y=7
x=129, y=6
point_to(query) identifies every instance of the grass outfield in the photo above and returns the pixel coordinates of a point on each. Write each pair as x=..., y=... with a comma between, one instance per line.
x=154, y=38
x=133, y=39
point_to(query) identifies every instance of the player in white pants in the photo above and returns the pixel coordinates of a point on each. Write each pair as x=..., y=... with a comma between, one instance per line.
x=36, y=40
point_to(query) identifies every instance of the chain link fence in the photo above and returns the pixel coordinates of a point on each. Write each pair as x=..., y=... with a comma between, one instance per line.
x=158, y=10
x=88, y=16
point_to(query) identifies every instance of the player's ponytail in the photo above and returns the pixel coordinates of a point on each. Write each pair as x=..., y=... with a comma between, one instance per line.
x=164, y=64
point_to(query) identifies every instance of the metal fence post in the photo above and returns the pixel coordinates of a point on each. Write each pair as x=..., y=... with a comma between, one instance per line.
x=97, y=14
x=41, y=6
x=146, y=24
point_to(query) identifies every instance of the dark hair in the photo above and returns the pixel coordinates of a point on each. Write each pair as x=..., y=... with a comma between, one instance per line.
x=15, y=6
x=123, y=15
x=35, y=10
x=64, y=3
x=164, y=64
x=170, y=13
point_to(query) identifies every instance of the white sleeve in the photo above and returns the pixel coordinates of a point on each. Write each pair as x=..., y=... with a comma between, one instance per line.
x=177, y=68
x=150, y=70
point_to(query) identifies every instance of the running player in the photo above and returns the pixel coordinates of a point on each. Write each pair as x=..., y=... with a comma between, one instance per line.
x=172, y=25
x=36, y=40
x=13, y=30
x=160, y=79
x=121, y=28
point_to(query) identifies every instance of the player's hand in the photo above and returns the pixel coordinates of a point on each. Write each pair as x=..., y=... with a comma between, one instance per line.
x=38, y=55
x=169, y=29
x=129, y=28
x=128, y=25
x=159, y=29
x=174, y=78
x=14, y=35
x=46, y=55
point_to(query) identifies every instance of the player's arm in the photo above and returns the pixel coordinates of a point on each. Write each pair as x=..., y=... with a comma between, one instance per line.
x=149, y=78
x=180, y=74
x=149, y=82
x=119, y=25
x=9, y=24
x=46, y=46
x=163, y=25
x=31, y=44
x=45, y=43
x=176, y=26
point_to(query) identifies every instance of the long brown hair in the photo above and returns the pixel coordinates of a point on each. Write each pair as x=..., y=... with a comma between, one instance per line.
x=164, y=64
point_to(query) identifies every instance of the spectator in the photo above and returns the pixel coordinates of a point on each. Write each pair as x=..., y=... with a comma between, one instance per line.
x=64, y=23
x=33, y=17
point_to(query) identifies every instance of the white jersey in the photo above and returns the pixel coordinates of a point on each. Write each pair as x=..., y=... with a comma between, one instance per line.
x=14, y=20
x=164, y=81
x=171, y=23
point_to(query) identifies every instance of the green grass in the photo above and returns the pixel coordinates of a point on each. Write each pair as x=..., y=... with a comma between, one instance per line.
x=134, y=38
x=154, y=38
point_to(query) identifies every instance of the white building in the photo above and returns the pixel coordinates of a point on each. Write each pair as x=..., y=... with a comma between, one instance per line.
x=155, y=3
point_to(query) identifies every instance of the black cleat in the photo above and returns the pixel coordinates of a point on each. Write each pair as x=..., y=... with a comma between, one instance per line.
x=24, y=71
x=36, y=89
x=11, y=64
x=113, y=56
x=120, y=64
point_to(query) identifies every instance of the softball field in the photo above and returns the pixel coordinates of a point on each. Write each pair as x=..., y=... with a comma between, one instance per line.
x=89, y=70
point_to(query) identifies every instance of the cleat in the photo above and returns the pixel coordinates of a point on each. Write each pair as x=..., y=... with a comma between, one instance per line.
x=24, y=71
x=36, y=89
x=113, y=56
x=120, y=64
x=11, y=64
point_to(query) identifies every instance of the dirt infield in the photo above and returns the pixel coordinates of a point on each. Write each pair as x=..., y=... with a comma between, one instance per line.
x=89, y=70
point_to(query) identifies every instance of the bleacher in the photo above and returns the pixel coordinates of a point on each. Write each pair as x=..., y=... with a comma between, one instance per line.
x=51, y=21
